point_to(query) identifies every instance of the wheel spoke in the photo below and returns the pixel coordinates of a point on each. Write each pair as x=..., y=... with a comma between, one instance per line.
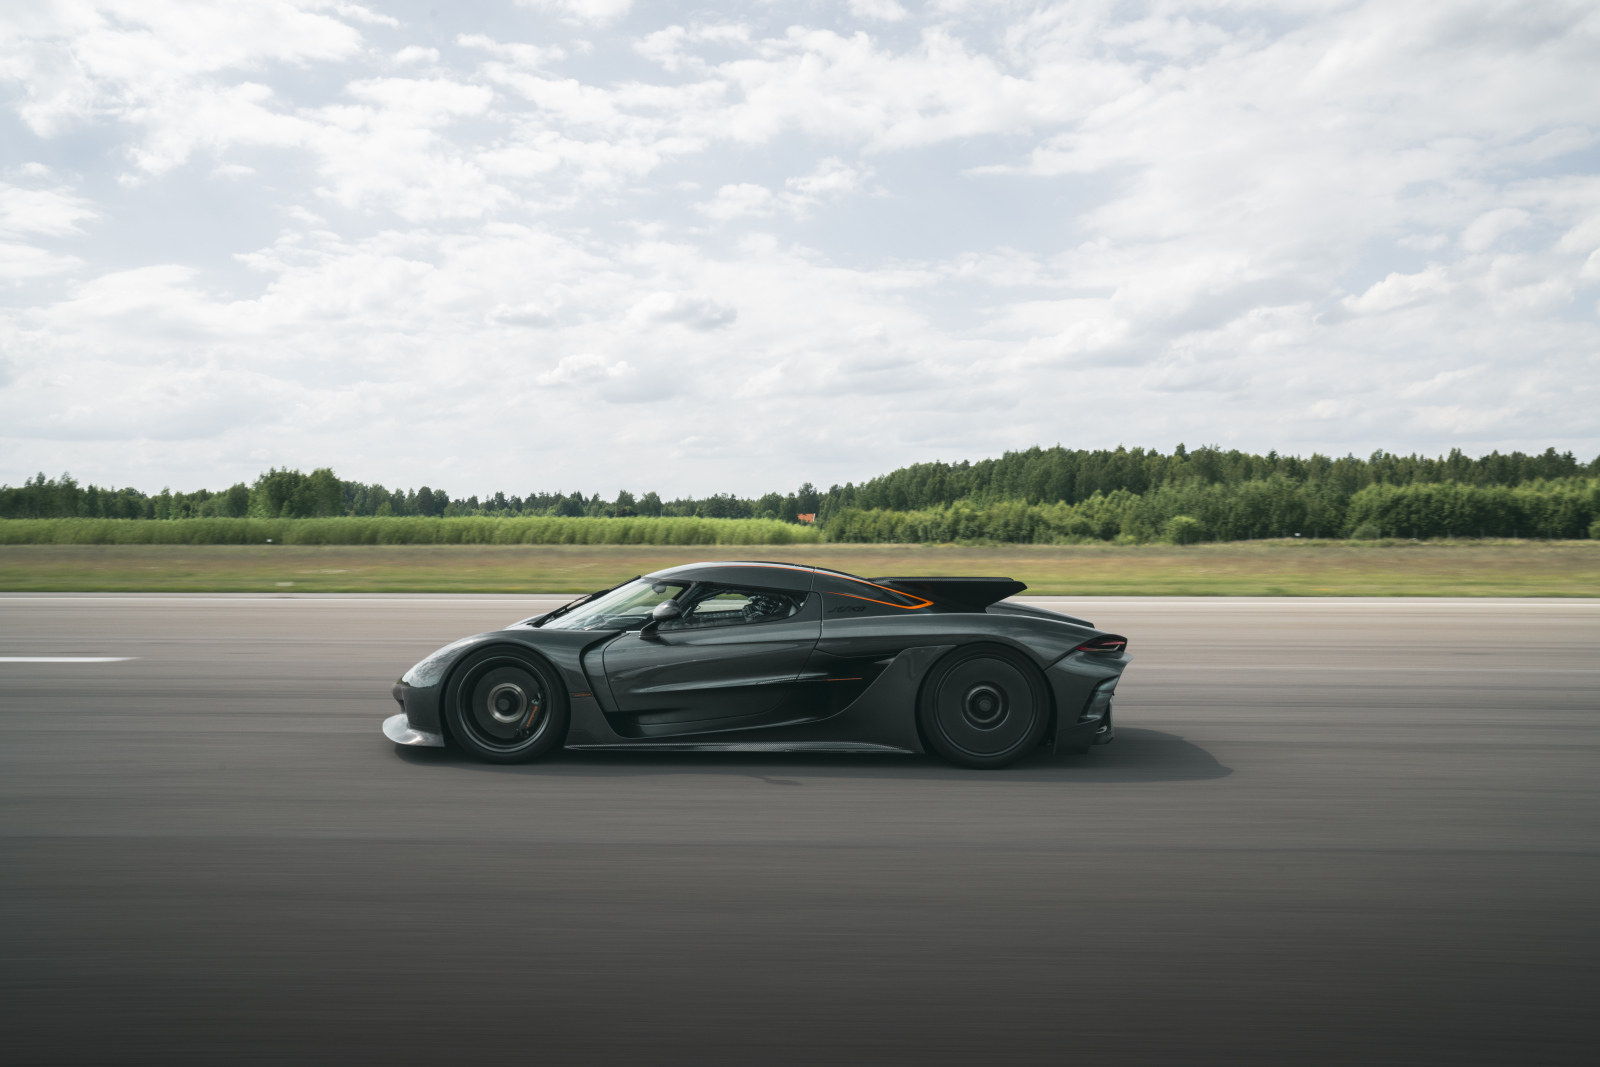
x=502, y=708
x=984, y=707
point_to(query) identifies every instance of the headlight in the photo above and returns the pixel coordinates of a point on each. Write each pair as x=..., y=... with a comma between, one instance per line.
x=430, y=670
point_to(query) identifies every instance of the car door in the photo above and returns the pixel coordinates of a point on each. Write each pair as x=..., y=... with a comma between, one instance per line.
x=736, y=656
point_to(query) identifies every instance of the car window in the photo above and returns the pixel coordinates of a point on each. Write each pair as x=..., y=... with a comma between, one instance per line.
x=627, y=607
x=726, y=606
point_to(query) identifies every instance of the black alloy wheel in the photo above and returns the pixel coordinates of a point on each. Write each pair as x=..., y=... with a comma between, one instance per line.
x=506, y=706
x=984, y=706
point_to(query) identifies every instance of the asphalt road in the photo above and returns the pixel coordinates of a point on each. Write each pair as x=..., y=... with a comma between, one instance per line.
x=1330, y=831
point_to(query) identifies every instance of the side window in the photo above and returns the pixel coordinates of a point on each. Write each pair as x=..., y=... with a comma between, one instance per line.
x=728, y=606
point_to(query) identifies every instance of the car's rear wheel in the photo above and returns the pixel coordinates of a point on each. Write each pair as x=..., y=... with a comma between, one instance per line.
x=506, y=706
x=984, y=706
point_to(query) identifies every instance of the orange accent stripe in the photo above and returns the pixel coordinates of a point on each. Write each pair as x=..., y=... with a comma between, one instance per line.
x=920, y=603
x=583, y=694
x=844, y=679
x=896, y=592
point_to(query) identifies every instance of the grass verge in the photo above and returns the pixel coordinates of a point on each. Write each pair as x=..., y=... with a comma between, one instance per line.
x=1259, y=568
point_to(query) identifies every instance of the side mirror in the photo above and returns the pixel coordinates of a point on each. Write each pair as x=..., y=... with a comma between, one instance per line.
x=667, y=609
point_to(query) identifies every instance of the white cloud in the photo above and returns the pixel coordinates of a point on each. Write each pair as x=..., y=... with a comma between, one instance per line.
x=1423, y=242
x=1342, y=226
x=848, y=89
x=522, y=55
x=414, y=54
x=536, y=315
x=33, y=214
x=878, y=10
x=695, y=311
x=1591, y=268
x=830, y=180
x=1456, y=420
x=573, y=370
x=1341, y=410
x=148, y=61
x=54, y=212
x=1440, y=382
x=582, y=12
x=364, y=14
x=19, y=261
x=732, y=201
x=1489, y=227
x=1400, y=290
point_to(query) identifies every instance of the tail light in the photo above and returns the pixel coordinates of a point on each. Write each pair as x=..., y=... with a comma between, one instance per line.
x=1110, y=644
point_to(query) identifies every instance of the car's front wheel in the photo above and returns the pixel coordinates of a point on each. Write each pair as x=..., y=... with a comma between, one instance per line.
x=506, y=706
x=984, y=706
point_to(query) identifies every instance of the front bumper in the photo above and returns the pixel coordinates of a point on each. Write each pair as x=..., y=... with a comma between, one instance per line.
x=398, y=729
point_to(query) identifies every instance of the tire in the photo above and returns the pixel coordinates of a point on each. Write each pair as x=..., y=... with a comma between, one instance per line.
x=506, y=706
x=983, y=706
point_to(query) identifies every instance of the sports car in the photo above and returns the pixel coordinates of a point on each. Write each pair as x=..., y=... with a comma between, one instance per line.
x=750, y=656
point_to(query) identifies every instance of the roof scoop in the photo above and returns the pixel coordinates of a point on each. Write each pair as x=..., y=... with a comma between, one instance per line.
x=957, y=594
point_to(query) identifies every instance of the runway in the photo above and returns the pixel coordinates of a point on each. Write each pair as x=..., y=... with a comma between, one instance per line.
x=1330, y=831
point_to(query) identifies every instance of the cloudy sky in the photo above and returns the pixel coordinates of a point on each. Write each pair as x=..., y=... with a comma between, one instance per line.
x=728, y=247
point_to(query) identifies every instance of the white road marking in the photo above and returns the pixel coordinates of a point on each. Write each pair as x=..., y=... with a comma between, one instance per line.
x=66, y=659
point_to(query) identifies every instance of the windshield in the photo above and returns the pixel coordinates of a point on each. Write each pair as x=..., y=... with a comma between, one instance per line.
x=626, y=607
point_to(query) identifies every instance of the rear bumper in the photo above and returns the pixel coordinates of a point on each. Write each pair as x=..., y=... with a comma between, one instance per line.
x=1083, y=685
x=398, y=729
x=1079, y=737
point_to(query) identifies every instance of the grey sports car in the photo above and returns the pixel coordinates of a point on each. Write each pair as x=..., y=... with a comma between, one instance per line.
x=759, y=657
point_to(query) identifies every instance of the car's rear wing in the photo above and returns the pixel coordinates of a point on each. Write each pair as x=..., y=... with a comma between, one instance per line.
x=957, y=594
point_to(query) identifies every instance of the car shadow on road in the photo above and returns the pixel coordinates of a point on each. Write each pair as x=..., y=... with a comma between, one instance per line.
x=1137, y=755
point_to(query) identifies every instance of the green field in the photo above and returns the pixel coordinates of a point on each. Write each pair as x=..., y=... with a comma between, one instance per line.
x=1258, y=568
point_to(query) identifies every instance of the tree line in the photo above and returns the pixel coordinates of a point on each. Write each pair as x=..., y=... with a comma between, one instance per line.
x=1060, y=475
x=290, y=494
x=1037, y=494
x=1274, y=507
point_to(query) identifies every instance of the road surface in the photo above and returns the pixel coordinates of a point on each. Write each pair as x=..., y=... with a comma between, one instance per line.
x=1330, y=831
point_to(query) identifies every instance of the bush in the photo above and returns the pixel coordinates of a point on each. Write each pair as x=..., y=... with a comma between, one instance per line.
x=1183, y=530
x=1559, y=509
x=1594, y=531
x=1367, y=531
x=405, y=531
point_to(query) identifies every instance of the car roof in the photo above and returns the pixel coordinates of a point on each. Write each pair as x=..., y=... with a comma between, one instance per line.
x=665, y=571
x=759, y=572
x=963, y=594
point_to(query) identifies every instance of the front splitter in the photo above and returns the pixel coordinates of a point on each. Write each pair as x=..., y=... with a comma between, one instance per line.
x=398, y=729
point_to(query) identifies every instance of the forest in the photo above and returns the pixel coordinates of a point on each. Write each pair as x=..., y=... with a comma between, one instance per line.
x=1035, y=496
